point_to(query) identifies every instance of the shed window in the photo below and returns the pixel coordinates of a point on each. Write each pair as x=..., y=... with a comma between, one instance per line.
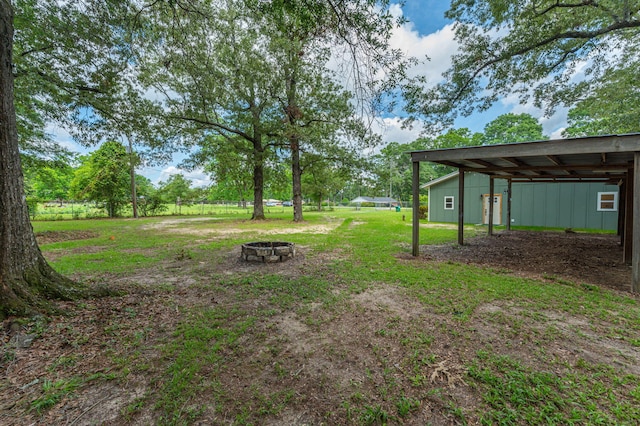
x=448, y=202
x=607, y=201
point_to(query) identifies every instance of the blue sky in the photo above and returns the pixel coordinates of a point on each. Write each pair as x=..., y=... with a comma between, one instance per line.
x=427, y=33
x=427, y=15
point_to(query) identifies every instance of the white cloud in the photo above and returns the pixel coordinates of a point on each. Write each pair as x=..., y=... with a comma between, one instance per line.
x=555, y=125
x=392, y=131
x=197, y=177
x=552, y=126
x=438, y=47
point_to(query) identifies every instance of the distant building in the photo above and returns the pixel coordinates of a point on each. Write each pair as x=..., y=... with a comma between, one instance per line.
x=551, y=205
x=377, y=201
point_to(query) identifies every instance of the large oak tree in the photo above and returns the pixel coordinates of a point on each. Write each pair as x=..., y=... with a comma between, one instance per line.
x=255, y=74
x=612, y=107
x=26, y=279
x=205, y=63
x=64, y=62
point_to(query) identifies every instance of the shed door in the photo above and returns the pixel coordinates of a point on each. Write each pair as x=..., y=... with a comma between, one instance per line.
x=497, y=209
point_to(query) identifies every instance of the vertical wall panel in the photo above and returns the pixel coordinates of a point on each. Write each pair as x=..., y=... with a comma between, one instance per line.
x=554, y=205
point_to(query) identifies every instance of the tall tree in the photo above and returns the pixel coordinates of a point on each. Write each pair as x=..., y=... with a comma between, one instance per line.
x=532, y=49
x=177, y=189
x=393, y=169
x=73, y=67
x=104, y=178
x=452, y=138
x=149, y=200
x=51, y=182
x=229, y=169
x=272, y=58
x=206, y=63
x=303, y=37
x=324, y=177
x=26, y=280
x=455, y=138
x=509, y=128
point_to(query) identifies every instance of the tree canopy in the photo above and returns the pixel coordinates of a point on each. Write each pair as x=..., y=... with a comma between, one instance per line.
x=613, y=107
x=278, y=92
x=533, y=49
x=104, y=177
x=510, y=128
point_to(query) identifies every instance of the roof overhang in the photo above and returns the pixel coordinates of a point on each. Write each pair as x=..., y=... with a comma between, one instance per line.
x=592, y=159
x=613, y=159
x=439, y=180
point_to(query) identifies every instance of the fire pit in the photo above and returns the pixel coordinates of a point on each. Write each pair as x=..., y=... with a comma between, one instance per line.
x=268, y=251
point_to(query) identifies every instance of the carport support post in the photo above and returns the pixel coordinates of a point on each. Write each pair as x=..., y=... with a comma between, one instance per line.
x=461, y=207
x=627, y=223
x=509, y=205
x=415, y=238
x=635, y=283
x=491, y=189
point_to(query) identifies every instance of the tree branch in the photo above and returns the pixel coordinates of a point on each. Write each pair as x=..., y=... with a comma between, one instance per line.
x=567, y=35
x=213, y=125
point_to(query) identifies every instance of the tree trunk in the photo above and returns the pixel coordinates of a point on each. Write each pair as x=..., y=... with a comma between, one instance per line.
x=296, y=172
x=258, y=180
x=26, y=280
x=132, y=174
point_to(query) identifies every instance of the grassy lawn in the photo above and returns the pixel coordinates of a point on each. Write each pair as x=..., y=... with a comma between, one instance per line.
x=79, y=210
x=353, y=330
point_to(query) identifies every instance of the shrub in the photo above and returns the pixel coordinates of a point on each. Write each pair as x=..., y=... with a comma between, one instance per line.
x=32, y=206
x=422, y=212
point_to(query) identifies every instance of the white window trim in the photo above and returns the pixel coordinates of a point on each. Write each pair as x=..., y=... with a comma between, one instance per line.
x=615, y=201
x=451, y=199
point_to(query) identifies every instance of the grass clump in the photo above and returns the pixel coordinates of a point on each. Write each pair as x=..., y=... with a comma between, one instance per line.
x=518, y=394
x=197, y=343
x=53, y=392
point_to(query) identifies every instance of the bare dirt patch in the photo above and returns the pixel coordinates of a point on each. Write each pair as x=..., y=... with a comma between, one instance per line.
x=175, y=226
x=48, y=237
x=588, y=258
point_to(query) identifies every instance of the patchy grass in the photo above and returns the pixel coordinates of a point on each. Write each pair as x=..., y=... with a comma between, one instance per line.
x=584, y=394
x=352, y=330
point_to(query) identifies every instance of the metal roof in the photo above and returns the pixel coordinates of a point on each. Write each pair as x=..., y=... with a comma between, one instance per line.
x=592, y=159
x=377, y=200
x=440, y=179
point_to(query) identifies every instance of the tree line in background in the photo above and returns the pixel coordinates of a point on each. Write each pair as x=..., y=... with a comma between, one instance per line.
x=103, y=176
x=262, y=92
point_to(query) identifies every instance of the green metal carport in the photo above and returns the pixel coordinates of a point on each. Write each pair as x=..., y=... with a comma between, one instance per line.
x=613, y=159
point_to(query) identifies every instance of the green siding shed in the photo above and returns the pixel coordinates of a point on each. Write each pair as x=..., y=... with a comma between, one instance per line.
x=545, y=204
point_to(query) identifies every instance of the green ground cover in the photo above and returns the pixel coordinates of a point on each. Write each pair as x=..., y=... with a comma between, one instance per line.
x=351, y=331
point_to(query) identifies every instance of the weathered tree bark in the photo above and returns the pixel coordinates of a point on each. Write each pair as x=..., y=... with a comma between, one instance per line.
x=258, y=179
x=296, y=172
x=26, y=280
